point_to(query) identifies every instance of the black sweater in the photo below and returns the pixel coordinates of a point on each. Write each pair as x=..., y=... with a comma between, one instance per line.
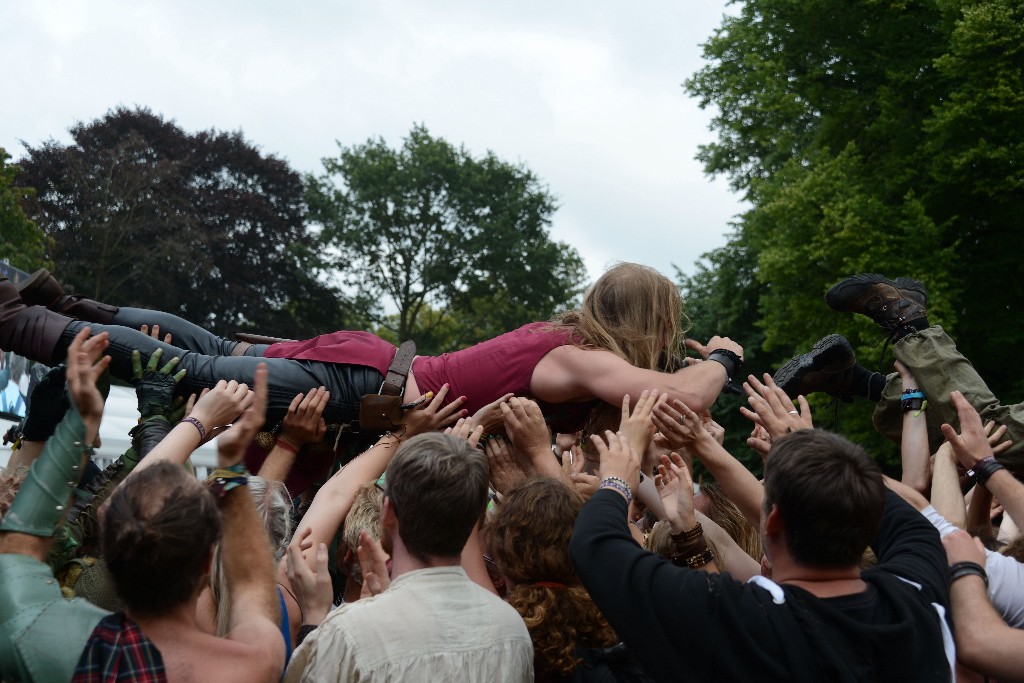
x=683, y=624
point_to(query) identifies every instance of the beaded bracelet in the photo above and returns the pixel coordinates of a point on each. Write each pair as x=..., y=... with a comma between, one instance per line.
x=694, y=533
x=959, y=570
x=619, y=484
x=694, y=561
x=689, y=548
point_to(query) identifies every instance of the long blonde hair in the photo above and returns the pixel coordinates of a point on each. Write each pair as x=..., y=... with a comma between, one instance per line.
x=632, y=311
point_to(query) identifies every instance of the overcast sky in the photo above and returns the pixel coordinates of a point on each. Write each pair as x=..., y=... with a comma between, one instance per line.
x=586, y=94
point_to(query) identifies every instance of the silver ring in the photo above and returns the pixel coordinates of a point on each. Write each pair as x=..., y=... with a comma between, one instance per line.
x=794, y=412
x=681, y=418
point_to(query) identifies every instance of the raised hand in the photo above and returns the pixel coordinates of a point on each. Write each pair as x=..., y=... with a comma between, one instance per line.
x=429, y=413
x=154, y=332
x=304, y=422
x=972, y=443
x=773, y=409
x=760, y=440
x=466, y=429
x=155, y=388
x=490, y=416
x=531, y=438
x=995, y=434
x=714, y=343
x=962, y=547
x=675, y=488
x=310, y=579
x=638, y=426
x=573, y=463
x=506, y=473
x=86, y=363
x=373, y=562
x=679, y=428
x=232, y=444
x=618, y=459
x=716, y=430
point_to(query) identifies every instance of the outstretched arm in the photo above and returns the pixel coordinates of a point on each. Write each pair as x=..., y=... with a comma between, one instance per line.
x=914, y=453
x=40, y=502
x=303, y=424
x=682, y=430
x=570, y=373
x=329, y=508
x=214, y=409
x=983, y=641
x=974, y=452
x=245, y=549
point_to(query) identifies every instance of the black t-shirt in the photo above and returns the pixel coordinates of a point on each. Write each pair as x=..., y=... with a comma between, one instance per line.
x=686, y=624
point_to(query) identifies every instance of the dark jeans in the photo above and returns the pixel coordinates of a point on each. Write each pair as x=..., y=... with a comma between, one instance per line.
x=205, y=360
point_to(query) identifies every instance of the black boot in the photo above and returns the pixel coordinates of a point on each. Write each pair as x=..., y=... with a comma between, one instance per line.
x=41, y=289
x=828, y=367
x=30, y=331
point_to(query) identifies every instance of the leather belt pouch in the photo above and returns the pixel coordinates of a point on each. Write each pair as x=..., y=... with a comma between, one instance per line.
x=383, y=411
x=378, y=413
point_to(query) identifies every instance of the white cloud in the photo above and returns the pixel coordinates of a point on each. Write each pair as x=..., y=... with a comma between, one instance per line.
x=587, y=95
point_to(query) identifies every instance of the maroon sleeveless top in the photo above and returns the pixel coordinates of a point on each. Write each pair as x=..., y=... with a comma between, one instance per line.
x=482, y=373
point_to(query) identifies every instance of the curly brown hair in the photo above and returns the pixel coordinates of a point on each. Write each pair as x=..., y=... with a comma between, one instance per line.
x=529, y=540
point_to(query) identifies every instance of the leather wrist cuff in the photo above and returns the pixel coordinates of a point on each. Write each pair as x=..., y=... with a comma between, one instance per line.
x=728, y=359
x=985, y=468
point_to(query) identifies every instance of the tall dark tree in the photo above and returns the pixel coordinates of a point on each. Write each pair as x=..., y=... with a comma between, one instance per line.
x=441, y=236
x=141, y=212
x=22, y=243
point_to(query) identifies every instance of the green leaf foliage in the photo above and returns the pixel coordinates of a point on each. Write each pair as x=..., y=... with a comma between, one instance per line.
x=452, y=248
x=868, y=137
x=22, y=243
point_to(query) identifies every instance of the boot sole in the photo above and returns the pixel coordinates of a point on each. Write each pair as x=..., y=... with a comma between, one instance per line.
x=789, y=376
x=835, y=299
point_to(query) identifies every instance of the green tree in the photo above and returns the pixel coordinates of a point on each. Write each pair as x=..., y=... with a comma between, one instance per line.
x=143, y=213
x=442, y=237
x=872, y=137
x=974, y=147
x=22, y=243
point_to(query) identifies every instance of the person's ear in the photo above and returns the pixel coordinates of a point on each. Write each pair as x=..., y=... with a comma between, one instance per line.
x=773, y=521
x=387, y=514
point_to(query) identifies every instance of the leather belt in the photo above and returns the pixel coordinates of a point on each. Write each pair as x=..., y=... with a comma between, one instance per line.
x=398, y=372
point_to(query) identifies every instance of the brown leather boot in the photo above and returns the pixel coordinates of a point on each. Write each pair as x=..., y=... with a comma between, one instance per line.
x=898, y=306
x=42, y=289
x=30, y=331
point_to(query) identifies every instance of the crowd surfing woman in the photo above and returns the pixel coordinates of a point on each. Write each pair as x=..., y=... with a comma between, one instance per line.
x=624, y=339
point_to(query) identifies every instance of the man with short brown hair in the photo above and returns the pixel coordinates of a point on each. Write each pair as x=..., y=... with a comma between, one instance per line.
x=432, y=622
